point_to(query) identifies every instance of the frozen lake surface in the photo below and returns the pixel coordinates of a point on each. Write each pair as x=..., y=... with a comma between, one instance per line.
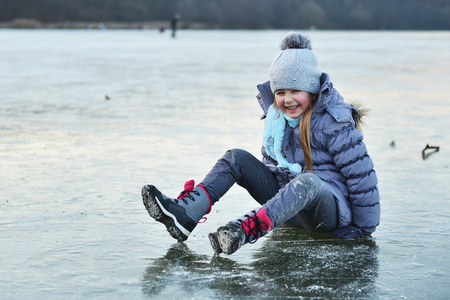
x=72, y=164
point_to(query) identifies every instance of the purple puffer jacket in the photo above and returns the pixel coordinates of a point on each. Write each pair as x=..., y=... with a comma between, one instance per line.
x=339, y=156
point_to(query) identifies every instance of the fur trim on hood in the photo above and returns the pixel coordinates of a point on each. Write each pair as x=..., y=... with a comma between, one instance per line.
x=359, y=113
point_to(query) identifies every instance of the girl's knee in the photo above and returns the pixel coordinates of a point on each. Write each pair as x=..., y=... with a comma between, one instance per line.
x=237, y=154
x=237, y=151
x=308, y=176
x=308, y=179
x=308, y=183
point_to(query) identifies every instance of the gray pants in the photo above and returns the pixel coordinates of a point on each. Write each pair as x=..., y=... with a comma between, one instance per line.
x=304, y=202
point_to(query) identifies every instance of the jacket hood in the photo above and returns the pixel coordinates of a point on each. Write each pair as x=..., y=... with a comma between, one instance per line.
x=329, y=100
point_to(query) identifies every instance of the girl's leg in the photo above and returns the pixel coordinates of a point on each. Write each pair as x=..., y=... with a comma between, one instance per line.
x=181, y=215
x=305, y=202
x=241, y=167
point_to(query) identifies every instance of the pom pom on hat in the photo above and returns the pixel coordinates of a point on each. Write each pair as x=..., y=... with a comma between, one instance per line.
x=296, y=67
x=295, y=40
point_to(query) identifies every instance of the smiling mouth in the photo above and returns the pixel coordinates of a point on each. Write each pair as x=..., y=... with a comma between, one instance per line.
x=291, y=107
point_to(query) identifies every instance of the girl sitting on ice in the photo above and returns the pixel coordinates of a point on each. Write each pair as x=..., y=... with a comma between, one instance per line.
x=315, y=172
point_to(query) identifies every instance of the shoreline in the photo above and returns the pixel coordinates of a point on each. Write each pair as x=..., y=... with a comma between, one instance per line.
x=159, y=25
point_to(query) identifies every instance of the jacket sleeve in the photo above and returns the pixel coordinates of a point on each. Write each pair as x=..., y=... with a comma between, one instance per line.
x=350, y=156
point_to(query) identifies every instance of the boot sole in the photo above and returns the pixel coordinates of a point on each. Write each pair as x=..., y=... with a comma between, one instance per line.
x=156, y=210
x=228, y=240
x=215, y=242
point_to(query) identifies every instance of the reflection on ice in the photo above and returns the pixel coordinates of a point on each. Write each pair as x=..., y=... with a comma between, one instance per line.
x=291, y=263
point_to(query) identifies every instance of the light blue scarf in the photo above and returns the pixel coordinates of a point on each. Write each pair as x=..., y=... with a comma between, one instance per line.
x=273, y=137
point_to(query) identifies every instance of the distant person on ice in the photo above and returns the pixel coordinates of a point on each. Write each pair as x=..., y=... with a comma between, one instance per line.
x=174, y=23
x=315, y=171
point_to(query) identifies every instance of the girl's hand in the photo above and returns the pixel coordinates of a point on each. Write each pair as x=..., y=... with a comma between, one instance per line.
x=351, y=231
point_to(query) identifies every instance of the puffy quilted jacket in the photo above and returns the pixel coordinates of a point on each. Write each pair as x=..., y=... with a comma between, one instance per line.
x=339, y=156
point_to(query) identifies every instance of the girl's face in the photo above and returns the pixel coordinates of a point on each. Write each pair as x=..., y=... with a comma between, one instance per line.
x=293, y=103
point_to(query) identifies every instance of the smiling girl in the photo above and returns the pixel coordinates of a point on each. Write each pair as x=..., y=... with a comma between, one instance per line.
x=315, y=172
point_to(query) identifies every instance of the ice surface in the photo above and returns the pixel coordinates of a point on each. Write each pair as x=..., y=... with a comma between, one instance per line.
x=72, y=164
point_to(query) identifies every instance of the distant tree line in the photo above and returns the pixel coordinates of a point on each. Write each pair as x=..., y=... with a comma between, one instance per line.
x=242, y=14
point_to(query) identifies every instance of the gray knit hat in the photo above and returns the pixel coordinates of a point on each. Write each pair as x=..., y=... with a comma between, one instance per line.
x=296, y=67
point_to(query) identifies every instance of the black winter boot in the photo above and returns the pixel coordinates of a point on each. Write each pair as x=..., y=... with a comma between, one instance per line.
x=180, y=215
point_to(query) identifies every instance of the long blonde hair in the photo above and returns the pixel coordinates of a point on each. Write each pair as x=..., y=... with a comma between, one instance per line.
x=305, y=133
